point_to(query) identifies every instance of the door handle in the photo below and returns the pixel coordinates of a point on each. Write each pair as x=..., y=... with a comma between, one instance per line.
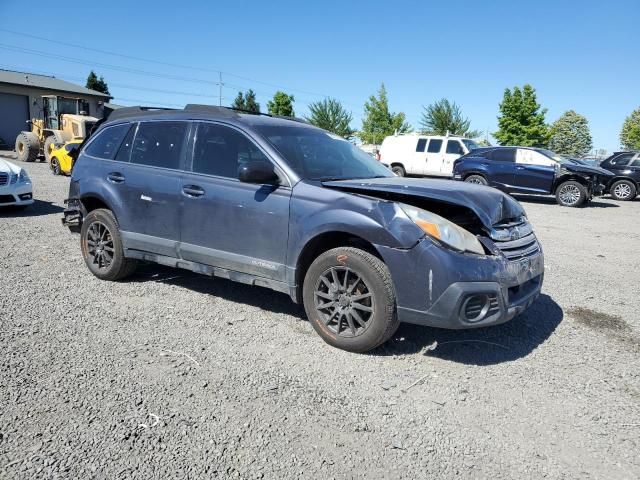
x=192, y=191
x=115, y=177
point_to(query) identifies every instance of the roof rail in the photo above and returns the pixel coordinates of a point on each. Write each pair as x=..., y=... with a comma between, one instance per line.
x=134, y=111
x=228, y=112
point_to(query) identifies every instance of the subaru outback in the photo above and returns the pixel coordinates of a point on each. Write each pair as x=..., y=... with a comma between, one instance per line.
x=278, y=203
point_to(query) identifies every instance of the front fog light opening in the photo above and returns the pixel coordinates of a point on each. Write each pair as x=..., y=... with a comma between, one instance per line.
x=475, y=307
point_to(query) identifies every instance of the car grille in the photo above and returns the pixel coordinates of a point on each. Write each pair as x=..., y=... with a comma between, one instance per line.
x=515, y=239
x=4, y=178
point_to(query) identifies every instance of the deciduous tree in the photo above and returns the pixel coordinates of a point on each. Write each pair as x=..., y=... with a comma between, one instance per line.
x=522, y=120
x=570, y=135
x=379, y=122
x=630, y=134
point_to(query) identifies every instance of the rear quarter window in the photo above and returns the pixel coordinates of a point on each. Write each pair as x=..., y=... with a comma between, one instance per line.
x=106, y=143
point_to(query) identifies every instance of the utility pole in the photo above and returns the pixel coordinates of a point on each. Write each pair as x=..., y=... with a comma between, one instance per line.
x=220, y=89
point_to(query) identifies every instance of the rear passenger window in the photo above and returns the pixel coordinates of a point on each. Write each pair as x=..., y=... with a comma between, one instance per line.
x=434, y=146
x=159, y=144
x=106, y=144
x=221, y=150
x=453, y=146
x=421, y=144
x=636, y=162
x=503, y=155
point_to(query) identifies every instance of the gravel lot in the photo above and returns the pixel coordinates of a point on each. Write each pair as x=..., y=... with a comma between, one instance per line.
x=175, y=375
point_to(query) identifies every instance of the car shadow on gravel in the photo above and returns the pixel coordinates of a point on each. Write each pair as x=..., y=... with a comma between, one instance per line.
x=483, y=346
x=259, y=297
x=36, y=209
x=542, y=200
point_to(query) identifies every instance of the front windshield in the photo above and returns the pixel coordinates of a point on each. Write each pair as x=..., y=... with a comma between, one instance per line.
x=318, y=155
x=470, y=144
x=554, y=156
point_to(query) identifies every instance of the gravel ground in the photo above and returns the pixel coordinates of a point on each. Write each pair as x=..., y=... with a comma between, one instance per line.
x=175, y=375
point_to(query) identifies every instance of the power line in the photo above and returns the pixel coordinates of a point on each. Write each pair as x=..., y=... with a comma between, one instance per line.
x=158, y=62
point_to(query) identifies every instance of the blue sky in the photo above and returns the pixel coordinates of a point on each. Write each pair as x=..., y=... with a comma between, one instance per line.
x=581, y=55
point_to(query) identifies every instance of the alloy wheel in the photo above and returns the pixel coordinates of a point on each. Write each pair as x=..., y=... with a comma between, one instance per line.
x=343, y=301
x=569, y=194
x=100, y=245
x=622, y=191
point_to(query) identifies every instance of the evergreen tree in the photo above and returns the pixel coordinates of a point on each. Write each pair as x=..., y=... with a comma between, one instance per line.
x=330, y=115
x=97, y=84
x=443, y=116
x=379, y=122
x=522, y=120
x=282, y=104
x=246, y=102
x=570, y=135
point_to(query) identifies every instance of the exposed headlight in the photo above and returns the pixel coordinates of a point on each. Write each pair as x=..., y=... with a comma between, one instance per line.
x=443, y=230
x=23, y=177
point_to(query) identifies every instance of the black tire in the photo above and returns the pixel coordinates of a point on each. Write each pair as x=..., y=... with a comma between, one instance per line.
x=623, y=190
x=54, y=163
x=364, y=282
x=399, y=170
x=27, y=147
x=571, y=194
x=50, y=144
x=477, y=179
x=95, y=245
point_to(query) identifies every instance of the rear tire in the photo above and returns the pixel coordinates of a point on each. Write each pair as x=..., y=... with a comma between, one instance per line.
x=571, y=194
x=101, y=246
x=27, y=147
x=477, y=179
x=349, y=298
x=399, y=170
x=623, y=190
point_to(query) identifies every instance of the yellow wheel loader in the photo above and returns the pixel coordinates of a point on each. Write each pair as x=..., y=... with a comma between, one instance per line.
x=63, y=119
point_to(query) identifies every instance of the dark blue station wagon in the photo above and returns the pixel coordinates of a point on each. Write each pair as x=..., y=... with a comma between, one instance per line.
x=278, y=203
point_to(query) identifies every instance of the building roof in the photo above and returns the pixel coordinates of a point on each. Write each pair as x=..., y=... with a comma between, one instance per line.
x=46, y=82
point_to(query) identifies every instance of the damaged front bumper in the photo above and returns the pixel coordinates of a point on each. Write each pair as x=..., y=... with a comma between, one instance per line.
x=440, y=288
x=73, y=214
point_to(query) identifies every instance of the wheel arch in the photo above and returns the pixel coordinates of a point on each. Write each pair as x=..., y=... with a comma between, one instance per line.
x=566, y=178
x=618, y=178
x=321, y=243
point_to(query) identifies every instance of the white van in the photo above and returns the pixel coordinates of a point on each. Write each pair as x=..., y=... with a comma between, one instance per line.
x=429, y=155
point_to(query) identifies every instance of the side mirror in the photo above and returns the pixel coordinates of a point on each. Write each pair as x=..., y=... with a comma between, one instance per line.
x=258, y=172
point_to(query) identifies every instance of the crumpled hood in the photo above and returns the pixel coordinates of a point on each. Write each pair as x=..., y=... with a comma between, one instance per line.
x=490, y=205
x=575, y=167
x=8, y=167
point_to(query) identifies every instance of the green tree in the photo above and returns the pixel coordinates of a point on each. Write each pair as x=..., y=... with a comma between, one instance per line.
x=522, y=120
x=443, y=116
x=570, y=135
x=379, y=122
x=330, y=115
x=282, y=104
x=97, y=84
x=246, y=102
x=630, y=134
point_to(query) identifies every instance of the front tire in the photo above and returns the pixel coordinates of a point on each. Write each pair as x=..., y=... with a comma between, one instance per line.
x=54, y=163
x=349, y=299
x=399, y=170
x=623, y=190
x=27, y=147
x=477, y=179
x=571, y=194
x=101, y=246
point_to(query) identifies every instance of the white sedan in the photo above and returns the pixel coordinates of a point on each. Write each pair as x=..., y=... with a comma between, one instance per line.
x=15, y=185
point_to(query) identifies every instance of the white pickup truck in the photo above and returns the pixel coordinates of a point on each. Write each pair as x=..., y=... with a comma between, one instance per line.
x=427, y=155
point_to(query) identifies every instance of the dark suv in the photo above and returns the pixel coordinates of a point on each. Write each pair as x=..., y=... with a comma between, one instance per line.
x=533, y=171
x=626, y=168
x=278, y=203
